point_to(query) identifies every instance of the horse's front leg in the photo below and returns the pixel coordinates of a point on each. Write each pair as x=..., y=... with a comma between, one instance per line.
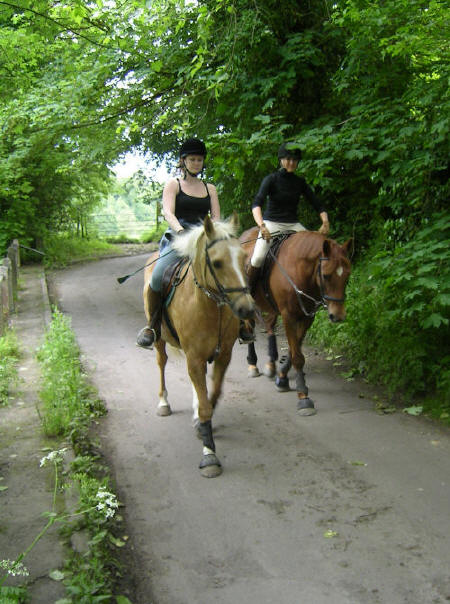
x=161, y=358
x=295, y=333
x=210, y=465
x=219, y=368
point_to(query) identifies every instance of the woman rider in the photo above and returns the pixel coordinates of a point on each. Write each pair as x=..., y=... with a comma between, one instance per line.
x=185, y=204
x=283, y=189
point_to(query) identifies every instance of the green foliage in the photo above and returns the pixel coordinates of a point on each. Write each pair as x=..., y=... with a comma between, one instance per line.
x=361, y=87
x=398, y=311
x=13, y=595
x=154, y=235
x=65, y=395
x=9, y=356
x=61, y=249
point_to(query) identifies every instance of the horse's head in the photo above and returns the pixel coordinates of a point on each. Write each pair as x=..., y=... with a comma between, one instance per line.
x=218, y=263
x=332, y=275
x=225, y=259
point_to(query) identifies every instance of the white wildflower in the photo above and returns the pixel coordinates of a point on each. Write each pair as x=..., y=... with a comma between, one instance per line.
x=14, y=568
x=53, y=457
x=107, y=502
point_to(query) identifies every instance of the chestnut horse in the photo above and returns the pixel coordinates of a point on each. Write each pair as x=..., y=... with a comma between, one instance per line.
x=202, y=319
x=309, y=272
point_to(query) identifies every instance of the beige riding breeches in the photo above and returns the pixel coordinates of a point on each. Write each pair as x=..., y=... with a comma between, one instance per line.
x=262, y=247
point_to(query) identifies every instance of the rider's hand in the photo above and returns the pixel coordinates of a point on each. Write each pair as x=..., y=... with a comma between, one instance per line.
x=265, y=233
x=325, y=228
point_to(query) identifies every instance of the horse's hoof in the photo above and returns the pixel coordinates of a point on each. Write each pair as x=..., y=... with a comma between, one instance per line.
x=282, y=384
x=305, y=406
x=164, y=411
x=269, y=370
x=253, y=371
x=210, y=466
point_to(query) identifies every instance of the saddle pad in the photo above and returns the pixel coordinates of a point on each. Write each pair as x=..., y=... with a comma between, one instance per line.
x=275, y=245
x=171, y=278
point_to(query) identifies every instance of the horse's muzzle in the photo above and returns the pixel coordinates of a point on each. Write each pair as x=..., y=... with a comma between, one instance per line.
x=336, y=315
x=244, y=307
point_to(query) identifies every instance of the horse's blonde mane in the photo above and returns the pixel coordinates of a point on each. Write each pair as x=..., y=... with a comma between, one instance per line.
x=186, y=244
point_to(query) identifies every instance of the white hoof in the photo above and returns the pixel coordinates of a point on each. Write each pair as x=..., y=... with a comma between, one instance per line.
x=253, y=371
x=164, y=410
x=163, y=406
x=269, y=370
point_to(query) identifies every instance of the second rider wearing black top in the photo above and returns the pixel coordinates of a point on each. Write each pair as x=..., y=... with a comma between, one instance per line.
x=283, y=191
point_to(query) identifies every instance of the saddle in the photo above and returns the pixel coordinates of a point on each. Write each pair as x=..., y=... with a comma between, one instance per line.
x=275, y=245
x=172, y=277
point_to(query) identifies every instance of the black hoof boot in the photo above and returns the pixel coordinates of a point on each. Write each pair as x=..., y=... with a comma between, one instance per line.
x=282, y=384
x=145, y=337
x=305, y=406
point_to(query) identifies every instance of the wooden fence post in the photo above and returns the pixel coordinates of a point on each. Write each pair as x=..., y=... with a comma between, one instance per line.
x=13, y=253
x=7, y=271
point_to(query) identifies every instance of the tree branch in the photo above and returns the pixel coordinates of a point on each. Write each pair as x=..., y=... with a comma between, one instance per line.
x=60, y=25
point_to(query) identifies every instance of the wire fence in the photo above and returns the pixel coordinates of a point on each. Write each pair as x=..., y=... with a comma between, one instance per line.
x=125, y=223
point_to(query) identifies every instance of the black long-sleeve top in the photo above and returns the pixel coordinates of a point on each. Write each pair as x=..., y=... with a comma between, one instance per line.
x=283, y=190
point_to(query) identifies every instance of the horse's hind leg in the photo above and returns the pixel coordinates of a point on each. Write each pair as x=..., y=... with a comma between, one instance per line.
x=210, y=465
x=161, y=358
x=272, y=349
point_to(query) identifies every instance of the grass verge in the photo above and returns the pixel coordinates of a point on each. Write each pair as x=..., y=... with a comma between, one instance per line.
x=62, y=249
x=9, y=357
x=91, y=517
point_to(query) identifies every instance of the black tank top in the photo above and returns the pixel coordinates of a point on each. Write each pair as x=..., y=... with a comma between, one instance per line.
x=191, y=210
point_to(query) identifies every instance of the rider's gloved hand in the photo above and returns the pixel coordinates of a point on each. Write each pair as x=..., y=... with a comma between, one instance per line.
x=265, y=233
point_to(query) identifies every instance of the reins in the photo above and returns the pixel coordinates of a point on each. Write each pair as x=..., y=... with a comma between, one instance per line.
x=221, y=297
x=301, y=294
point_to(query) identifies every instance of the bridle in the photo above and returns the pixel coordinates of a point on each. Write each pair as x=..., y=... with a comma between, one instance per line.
x=301, y=295
x=220, y=296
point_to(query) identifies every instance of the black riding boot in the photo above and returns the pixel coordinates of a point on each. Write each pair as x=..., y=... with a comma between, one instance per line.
x=247, y=328
x=148, y=335
x=253, y=276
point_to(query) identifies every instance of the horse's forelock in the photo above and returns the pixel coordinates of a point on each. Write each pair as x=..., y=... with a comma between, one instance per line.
x=187, y=243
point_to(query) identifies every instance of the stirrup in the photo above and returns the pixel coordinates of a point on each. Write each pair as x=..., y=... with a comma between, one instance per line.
x=146, y=337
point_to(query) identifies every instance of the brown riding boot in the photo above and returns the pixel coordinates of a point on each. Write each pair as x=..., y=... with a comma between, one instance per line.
x=150, y=334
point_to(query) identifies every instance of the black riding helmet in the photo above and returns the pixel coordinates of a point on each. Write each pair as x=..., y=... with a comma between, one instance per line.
x=192, y=146
x=289, y=150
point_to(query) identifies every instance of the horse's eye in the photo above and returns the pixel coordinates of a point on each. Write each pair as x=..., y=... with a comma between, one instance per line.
x=217, y=264
x=327, y=277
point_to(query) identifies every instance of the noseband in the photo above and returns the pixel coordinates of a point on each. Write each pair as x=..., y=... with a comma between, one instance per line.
x=324, y=298
x=220, y=297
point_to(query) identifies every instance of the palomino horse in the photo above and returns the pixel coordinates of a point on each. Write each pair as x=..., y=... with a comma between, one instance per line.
x=310, y=271
x=202, y=320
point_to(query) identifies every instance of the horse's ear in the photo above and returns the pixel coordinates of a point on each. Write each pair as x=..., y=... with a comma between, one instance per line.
x=234, y=221
x=208, y=226
x=349, y=247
